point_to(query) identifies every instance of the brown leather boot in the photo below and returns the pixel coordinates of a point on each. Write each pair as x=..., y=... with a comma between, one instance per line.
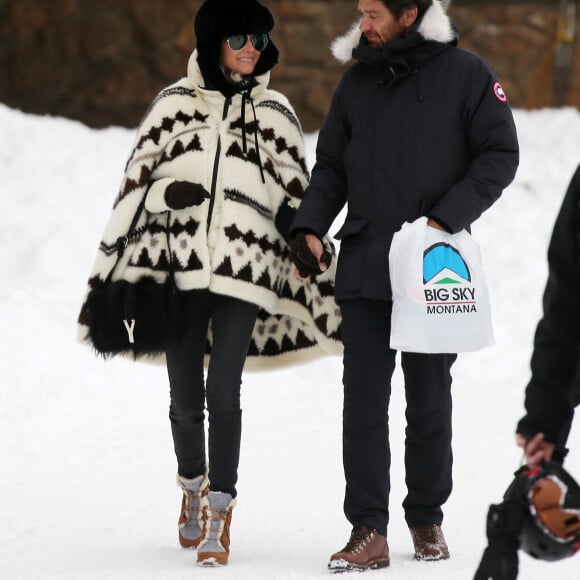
x=429, y=542
x=214, y=550
x=366, y=550
x=191, y=523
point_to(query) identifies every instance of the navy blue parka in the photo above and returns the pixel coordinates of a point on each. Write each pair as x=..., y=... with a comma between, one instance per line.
x=416, y=128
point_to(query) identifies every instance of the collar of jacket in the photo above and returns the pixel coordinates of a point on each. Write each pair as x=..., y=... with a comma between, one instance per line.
x=432, y=34
x=401, y=55
x=257, y=85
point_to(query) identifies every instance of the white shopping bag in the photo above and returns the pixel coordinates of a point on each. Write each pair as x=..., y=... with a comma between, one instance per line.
x=440, y=298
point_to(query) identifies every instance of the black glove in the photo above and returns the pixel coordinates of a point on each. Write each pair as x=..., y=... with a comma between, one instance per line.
x=304, y=259
x=183, y=194
x=500, y=558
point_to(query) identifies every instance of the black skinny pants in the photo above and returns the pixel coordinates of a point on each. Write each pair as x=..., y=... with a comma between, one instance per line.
x=368, y=367
x=232, y=322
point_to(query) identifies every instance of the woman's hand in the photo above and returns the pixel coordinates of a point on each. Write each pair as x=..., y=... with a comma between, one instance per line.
x=184, y=194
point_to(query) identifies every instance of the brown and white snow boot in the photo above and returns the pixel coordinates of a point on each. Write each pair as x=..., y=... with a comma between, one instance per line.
x=429, y=542
x=366, y=550
x=214, y=550
x=191, y=524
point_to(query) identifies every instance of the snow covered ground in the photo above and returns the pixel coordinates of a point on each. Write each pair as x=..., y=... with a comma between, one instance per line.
x=86, y=462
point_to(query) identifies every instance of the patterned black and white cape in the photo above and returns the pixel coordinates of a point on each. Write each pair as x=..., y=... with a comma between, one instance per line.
x=238, y=251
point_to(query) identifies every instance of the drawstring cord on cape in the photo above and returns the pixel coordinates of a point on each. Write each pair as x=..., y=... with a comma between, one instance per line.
x=247, y=97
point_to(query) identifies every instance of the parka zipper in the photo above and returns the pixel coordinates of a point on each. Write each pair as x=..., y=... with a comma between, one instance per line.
x=216, y=163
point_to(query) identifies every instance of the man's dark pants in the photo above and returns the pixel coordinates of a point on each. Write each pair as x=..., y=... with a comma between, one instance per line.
x=368, y=367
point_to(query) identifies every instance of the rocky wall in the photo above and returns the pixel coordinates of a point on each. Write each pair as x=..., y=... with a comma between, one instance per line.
x=102, y=61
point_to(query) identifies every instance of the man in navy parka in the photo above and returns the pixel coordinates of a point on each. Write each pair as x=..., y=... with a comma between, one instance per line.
x=417, y=127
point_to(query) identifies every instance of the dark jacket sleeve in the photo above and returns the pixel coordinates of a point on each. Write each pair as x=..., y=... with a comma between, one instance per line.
x=325, y=196
x=492, y=138
x=557, y=340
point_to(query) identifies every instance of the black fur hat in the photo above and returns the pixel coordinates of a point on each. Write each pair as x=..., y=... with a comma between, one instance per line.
x=216, y=20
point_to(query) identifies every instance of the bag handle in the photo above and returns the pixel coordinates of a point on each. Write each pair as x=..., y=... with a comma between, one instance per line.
x=123, y=241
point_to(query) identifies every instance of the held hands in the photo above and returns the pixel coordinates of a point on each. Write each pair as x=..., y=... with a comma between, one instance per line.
x=536, y=449
x=184, y=194
x=308, y=255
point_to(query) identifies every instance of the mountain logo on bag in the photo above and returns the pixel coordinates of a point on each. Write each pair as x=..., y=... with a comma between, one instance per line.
x=447, y=281
x=443, y=264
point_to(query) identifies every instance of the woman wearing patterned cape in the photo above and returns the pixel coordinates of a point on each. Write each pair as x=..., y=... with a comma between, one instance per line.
x=221, y=157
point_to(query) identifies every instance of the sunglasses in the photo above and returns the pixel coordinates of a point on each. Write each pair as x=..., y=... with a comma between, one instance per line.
x=238, y=41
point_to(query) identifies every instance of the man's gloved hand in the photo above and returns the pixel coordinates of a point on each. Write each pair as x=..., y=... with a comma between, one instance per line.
x=500, y=558
x=183, y=194
x=304, y=257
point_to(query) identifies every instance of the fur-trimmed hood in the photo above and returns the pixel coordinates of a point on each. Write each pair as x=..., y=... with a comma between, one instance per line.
x=434, y=26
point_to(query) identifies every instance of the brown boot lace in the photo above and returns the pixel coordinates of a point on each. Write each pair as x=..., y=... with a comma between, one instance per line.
x=430, y=534
x=429, y=542
x=218, y=529
x=359, y=538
